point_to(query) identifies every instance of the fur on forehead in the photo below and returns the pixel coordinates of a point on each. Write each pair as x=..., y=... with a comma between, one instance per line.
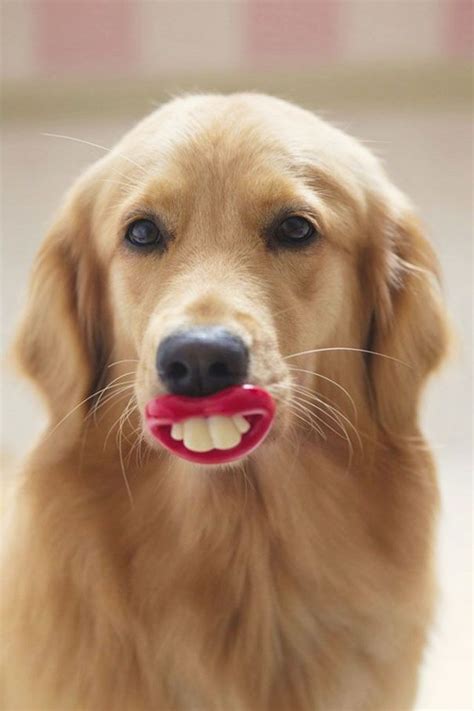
x=212, y=126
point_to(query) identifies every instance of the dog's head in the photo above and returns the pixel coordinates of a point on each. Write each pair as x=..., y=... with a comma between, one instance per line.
x=231, y=240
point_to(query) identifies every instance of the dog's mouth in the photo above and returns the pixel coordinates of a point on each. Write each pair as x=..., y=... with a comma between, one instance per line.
x=214, y=429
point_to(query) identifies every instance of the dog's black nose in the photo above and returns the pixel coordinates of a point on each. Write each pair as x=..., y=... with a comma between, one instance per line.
x=201, y=361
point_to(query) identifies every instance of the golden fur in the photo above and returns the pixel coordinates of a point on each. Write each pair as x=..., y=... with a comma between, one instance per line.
x=300, y=579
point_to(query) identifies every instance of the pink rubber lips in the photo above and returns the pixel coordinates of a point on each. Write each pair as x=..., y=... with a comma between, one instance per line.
x=214, y=429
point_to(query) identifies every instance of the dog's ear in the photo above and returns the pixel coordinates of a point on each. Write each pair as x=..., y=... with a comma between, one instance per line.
x=59, y=344
x=409, y=327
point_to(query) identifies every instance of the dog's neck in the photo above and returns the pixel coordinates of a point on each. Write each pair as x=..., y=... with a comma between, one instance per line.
x=147, y=487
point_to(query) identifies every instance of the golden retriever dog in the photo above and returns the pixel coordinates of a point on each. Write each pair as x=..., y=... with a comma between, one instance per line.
x=228, y=247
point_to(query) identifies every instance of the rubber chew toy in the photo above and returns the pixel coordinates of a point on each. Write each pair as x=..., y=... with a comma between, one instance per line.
x=214, y=429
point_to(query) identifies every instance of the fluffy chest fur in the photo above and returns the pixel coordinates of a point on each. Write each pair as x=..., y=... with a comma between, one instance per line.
x=269, y=591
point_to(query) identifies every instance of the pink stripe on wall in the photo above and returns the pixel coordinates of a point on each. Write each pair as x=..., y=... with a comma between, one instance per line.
x=459, y=27
x=80, y=35
x=289, y=32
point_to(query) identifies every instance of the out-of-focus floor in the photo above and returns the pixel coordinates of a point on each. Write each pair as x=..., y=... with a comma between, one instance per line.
x=429, y=155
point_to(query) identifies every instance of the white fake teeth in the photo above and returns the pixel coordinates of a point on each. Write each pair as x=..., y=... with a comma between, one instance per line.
x=224, y=433
x=177, y=431
x=241, y=423
x=201, y=434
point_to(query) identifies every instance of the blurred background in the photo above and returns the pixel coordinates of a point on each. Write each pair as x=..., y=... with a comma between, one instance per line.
x=395, y=73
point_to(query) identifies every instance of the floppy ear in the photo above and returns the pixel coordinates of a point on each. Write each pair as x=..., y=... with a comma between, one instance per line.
x=59, y=345
x=408, y=321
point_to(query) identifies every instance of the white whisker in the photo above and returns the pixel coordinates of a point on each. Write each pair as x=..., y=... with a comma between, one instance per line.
x=116, y=396
x=311, y=392
x=113, y=383
x=298, y=407
x=95, y=145
x=340, y=348
x=118, y=420
x=124, y=417
x=337, y=413
x=76, y=407
x=124, y=360
x=329, y=380
x=335, y=419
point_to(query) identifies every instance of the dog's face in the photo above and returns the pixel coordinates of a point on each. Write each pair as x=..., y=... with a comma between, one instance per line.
x=223, y=236
x=226, y=258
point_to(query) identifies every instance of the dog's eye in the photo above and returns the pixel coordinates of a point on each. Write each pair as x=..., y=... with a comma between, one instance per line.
x=295, y=230
x=143, y=233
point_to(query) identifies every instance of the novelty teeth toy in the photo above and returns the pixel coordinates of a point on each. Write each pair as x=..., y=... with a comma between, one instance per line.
x=214, y=429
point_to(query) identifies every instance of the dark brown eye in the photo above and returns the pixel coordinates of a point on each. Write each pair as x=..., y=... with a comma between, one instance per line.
x=143, y=233
x=295, y=230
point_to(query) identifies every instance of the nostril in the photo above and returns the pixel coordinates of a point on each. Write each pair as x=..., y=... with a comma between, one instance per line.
x=219, y=370
x=201, y=361
x=177, y=370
